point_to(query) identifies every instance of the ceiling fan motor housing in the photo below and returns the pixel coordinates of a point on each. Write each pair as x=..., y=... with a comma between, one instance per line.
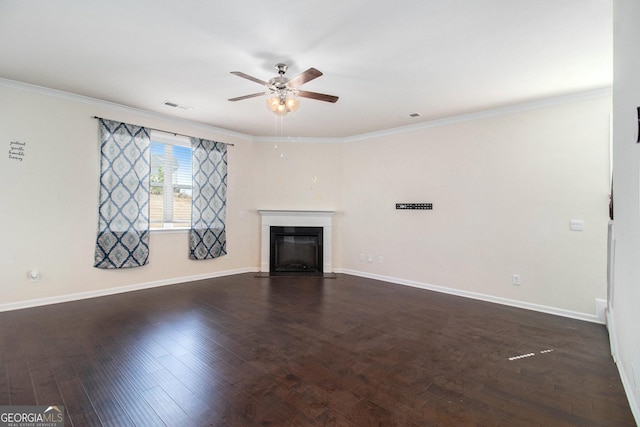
x=282, y=68
x=278, y=83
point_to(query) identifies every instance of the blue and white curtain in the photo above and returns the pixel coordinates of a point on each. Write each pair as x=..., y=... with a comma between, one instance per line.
x=123, y=218
x=207, y=237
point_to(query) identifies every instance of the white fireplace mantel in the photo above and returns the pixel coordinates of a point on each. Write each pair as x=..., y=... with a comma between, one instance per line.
x=284, y=218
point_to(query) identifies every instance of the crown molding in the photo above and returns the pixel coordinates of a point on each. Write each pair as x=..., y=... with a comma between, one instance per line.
x=493, y=112
x=303, y=139
x=41, y=90
x=509, y=109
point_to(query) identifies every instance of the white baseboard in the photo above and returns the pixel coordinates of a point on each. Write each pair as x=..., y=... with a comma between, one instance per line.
x=474, y=295
x=129, y=288
x=627, y=381
x=601, y=310
x=177, y=280
x=611, y=327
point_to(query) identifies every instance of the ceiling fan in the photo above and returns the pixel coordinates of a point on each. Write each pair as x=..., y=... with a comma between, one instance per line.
x=284, y=90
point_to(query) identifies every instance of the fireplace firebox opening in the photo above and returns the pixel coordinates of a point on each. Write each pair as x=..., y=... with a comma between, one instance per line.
x=296, y=250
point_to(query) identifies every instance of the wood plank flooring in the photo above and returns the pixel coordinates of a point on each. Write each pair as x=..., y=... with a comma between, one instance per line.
x=349, y=351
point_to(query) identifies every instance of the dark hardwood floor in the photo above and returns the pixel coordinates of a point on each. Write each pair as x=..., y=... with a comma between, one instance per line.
x=348, y=351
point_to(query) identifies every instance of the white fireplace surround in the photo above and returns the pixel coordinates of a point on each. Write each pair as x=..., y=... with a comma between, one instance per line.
x=282, y=218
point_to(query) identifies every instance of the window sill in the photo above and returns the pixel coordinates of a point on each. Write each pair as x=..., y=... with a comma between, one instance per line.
x=170, y=230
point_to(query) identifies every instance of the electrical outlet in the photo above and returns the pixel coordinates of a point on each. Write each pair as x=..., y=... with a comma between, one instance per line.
x=370, y=258
x=380, y=259
x=516, y=279
x=361, y=257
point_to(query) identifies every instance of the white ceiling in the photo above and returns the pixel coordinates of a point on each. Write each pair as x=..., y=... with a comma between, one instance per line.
x=385, y=60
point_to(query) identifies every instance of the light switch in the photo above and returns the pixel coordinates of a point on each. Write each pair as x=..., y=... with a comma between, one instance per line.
x=576, y=225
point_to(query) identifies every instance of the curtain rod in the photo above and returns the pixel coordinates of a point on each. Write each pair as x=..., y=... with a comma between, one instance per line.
x=165, y=131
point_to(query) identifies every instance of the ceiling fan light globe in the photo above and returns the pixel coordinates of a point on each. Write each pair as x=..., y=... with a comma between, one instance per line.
x=272, y=103
x=292, y=104
x=281, y=110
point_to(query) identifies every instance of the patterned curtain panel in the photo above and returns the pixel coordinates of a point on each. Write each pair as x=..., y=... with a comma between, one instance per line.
x=123, y=219
x=207, y=237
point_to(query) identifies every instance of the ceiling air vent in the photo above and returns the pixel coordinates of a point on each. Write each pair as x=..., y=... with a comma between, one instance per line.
x=174, y=105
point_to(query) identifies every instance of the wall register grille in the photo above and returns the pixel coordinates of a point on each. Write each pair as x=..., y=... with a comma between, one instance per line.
x=414, y=206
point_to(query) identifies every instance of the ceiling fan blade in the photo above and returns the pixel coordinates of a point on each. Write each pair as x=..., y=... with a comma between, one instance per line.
x=304, y=77
x=318, y=96
x=253, y=95
x=248, y=77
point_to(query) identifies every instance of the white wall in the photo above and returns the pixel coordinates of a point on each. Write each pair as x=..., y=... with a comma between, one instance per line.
x=300, y=176
x=49, y=203
x=504, y=190
x=625, y=316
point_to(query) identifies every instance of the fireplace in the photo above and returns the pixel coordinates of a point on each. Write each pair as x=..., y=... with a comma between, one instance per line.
x=295, y=250
x=303, y=240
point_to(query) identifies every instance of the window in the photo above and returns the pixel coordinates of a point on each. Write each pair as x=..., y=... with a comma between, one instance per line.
x=170, y=198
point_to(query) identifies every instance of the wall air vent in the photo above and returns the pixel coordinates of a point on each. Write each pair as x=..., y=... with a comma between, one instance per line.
x=414, y=206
